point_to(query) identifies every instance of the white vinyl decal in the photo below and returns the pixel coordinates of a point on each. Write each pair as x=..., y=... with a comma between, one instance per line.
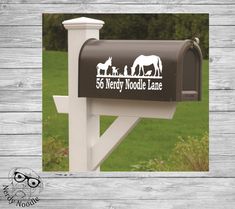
x=104, y=66
x=135, y=77
x=142, y=61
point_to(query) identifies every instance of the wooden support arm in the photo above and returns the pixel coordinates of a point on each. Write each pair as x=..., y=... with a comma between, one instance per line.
x=111, y=139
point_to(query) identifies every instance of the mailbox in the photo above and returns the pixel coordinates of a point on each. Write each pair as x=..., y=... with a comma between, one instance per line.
x=140, y=69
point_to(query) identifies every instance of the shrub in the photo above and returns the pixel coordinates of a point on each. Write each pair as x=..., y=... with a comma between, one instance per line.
x=191, y=154
x=55, y=155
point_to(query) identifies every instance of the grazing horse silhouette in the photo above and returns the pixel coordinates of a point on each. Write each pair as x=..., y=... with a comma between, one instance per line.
x=142, y=61
x=104, y=66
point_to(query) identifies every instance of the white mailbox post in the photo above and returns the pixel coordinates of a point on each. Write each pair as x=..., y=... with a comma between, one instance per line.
x=87, y=149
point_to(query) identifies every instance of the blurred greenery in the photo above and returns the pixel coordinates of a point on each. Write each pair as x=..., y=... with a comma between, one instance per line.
x=190, y=154
x=132, y=26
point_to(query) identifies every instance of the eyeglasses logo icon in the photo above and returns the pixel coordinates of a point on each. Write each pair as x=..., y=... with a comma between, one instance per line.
x=32, y=182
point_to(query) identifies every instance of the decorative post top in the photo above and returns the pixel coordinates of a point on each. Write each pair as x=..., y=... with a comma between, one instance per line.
x=83, y=23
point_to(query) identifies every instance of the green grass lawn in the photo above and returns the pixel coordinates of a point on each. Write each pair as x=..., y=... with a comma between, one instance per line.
x=151, y=138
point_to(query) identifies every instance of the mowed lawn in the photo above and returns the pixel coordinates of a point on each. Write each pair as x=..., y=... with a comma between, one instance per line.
x=151, y=138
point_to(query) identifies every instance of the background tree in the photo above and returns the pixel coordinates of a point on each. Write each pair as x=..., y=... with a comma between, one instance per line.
x=132, y=26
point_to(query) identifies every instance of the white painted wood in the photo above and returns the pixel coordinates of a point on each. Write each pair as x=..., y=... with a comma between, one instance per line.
x=111, y=138
x=83, y=23
x=221, y=122
x=83, y=128
x=221, y=203
x=20, y=145
x=20, y=123
x=132, y=108
x=221, y=19
x=9, y=162
x=222, y=36
x=21, y=79
x=62, y=103
x=23, y=36
x=221, y=79
x=20, y=58
x=135, y=108
x=93, y=137
x=162, y=2
x=222, y=100
x=17, y=101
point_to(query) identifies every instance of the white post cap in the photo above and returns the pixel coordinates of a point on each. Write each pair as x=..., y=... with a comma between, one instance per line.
x=83, y=23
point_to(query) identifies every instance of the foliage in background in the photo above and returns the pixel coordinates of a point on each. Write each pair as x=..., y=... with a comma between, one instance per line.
x=132, y=26
x=189, y=154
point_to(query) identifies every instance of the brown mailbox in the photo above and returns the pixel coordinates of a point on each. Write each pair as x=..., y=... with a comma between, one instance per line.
x=140, y=70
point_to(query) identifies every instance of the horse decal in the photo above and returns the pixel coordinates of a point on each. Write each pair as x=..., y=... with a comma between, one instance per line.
x=104, y=66
x=115, y=71
x=142, y=61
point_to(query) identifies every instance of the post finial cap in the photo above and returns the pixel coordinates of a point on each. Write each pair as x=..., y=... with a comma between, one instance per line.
x=83, y=23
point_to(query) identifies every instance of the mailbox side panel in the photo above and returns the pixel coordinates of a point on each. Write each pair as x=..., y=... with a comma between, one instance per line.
x=141, y=70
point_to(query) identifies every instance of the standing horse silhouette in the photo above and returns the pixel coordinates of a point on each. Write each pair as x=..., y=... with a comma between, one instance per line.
x=104, y=66
x=142, y=61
